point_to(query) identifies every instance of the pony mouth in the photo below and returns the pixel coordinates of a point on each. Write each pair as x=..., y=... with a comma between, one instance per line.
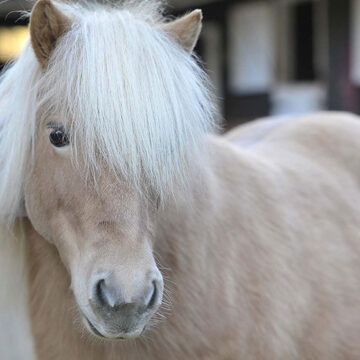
x=93, y=329
x=96, y=332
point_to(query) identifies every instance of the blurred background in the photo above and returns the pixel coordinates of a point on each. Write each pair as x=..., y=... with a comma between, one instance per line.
x=265, y=57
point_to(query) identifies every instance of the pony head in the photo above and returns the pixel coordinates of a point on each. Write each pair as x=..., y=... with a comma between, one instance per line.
x=113, y=111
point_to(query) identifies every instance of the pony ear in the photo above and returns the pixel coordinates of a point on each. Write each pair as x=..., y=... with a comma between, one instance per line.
x=185, y=30
x=47, y=24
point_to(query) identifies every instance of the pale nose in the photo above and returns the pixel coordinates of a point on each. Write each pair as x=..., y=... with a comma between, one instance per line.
x=110, y=296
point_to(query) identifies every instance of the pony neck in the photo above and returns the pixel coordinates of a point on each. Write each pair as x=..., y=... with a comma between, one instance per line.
x=191, y=219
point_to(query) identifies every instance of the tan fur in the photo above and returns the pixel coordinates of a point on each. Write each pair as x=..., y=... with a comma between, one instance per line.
x=186, y=30
x=262, y=254
x=46, y=26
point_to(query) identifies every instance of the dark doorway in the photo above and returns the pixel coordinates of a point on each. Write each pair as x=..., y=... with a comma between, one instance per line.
x=303, y=15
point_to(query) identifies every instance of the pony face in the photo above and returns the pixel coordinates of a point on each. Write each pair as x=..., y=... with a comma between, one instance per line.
x=103, y=233
x=96, y=147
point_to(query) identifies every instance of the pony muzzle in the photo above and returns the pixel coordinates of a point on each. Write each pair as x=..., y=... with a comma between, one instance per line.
x=122, y=312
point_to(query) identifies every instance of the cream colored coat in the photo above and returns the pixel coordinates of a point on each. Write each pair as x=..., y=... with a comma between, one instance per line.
x=262, y=256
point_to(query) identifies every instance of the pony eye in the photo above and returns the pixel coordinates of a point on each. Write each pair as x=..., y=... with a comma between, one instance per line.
x=59, y=138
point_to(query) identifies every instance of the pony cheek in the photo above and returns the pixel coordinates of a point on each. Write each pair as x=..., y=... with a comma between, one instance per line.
x=35, y=212
x=38, y=223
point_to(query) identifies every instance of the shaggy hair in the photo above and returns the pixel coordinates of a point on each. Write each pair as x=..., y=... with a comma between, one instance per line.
x=132, y=99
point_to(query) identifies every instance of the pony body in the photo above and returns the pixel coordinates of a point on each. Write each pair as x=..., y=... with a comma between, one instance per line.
x=256, y=248
x=272, y=275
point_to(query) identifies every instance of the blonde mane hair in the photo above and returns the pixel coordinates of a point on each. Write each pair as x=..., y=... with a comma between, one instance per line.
x=136, y=102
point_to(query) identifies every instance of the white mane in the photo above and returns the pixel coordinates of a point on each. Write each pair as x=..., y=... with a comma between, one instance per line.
x=138, y=102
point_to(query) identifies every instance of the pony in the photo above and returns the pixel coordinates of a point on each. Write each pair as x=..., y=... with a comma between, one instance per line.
x=149, y=236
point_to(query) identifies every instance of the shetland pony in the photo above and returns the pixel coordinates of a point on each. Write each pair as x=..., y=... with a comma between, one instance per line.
x=147, y=235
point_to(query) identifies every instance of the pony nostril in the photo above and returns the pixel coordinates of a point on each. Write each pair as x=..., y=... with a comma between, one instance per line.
x=99, y=292
x=107, y=295
x=152, y=296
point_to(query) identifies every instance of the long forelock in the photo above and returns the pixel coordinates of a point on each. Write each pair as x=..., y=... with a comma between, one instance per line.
x=137, y=101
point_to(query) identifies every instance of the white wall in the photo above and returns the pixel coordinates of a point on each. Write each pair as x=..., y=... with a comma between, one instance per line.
x=251, y=48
